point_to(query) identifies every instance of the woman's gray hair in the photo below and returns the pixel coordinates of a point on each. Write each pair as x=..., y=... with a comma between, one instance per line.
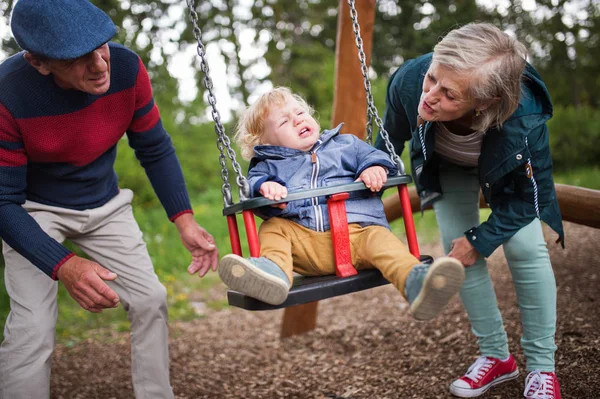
x=494, y=63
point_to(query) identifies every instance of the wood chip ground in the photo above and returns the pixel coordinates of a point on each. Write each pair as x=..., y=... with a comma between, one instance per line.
x=365, y=345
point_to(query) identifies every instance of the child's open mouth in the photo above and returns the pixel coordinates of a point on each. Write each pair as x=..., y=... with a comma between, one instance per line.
x=304, y=132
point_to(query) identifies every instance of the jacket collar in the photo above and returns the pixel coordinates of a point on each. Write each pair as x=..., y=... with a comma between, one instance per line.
x=277, y=152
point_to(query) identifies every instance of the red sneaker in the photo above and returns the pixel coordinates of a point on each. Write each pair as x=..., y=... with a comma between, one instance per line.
x=484, y=374
x=542, y=385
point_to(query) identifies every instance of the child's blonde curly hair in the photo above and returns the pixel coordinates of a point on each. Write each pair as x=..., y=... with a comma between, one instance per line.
x=251, y=125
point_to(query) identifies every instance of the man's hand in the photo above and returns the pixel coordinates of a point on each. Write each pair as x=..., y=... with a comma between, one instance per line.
x=373, y=177
x=463, y=251
x=83, y=279
x=200, y=243
x=275, y=192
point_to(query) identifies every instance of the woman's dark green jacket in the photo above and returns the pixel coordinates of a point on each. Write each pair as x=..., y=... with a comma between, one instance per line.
x=515, y=168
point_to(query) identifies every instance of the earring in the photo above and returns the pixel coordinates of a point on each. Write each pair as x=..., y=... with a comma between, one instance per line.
x=477, y=112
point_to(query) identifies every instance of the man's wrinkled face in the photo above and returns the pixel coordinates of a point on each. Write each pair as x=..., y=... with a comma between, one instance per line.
x=89, y=73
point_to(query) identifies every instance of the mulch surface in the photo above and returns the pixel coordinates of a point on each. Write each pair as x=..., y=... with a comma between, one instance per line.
x=365, y=345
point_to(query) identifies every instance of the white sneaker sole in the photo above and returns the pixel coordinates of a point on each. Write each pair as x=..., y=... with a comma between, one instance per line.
x=442, y=282
x=241, y=275
x=473, y=393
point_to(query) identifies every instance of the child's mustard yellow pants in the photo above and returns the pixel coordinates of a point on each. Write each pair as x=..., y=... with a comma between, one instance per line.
x=296, y=248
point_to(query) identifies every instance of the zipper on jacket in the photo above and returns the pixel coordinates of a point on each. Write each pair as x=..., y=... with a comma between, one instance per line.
x=319, y=225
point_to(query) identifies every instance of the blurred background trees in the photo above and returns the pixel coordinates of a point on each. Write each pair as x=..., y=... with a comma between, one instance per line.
x=252, y=45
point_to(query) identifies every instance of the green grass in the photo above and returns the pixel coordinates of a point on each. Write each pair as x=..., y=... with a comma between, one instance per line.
x=171, y=260
x=588, y=177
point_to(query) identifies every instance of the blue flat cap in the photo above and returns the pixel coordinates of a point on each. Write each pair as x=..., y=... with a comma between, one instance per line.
x=60, y=29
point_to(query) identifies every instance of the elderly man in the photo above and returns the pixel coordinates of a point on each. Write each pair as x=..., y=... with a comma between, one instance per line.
x=65, y=102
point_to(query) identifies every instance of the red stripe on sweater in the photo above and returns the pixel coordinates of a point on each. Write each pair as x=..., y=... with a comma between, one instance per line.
x=13, y=157
x=146, y=122
x=80, y=137
x=8, y=127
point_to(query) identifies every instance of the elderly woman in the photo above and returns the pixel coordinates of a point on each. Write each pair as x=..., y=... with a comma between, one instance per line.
x=476, y=113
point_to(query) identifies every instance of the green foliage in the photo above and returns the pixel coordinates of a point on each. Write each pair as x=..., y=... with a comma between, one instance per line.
x=563, y=46
x=574, y=137
x=406, y=29
x=581, y=177
x=197, y=152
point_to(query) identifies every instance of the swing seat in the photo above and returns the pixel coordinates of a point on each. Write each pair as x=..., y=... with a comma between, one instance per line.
x=312, y=289
x=347, y=279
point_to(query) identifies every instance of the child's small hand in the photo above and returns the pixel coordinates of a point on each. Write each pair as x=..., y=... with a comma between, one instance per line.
x=274, y=191
x=373, y=177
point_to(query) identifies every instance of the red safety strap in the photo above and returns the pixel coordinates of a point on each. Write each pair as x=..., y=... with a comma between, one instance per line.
x=340, y=236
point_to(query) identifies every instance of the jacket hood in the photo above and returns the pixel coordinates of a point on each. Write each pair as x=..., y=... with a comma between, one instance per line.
x=535, y=100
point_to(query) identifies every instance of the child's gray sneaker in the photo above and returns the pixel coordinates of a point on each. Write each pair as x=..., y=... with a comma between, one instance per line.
x=258, y=278
x=429, y=288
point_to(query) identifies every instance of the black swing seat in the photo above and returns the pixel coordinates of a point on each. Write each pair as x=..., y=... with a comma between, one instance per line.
x=311, y=289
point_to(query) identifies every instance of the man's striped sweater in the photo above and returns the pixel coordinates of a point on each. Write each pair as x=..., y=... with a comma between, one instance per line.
x=58, y=147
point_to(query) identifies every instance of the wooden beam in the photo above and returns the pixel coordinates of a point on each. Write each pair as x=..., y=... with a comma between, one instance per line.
x=349, y=98
x=577, y=204
x=350, y=107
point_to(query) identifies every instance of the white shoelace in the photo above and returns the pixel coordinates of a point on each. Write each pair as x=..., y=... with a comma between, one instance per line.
x=478, y=369
x=539, y=386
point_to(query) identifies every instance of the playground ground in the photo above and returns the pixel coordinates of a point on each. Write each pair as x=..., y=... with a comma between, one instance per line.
x=365, y=345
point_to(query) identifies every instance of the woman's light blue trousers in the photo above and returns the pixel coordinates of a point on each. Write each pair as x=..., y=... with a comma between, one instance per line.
x=529, y=264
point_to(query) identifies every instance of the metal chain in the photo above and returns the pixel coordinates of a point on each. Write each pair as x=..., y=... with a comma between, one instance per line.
x=369, y=137
x=372, y=110
x=223, y=142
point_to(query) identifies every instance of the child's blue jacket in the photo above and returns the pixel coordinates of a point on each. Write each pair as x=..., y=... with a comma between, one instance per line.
x=338, y=159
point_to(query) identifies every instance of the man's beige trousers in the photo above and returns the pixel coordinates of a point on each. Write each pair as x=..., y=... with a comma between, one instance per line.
x=110, y=236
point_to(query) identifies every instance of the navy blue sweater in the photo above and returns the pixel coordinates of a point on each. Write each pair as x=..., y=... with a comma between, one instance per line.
x=58, y=147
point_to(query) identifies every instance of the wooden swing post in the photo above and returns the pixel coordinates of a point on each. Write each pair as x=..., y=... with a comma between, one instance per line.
x=350, y=107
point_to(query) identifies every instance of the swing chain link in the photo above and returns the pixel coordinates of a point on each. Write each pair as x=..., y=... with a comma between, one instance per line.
x=369, y=138
x=371, y=109
x=223, y=142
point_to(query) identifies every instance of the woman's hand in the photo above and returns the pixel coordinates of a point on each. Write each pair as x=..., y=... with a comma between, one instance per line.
x=373, y=177
x=275, y=192
x=463, y=251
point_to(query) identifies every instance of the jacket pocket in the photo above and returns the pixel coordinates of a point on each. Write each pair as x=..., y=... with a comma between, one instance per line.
x=510, y=163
